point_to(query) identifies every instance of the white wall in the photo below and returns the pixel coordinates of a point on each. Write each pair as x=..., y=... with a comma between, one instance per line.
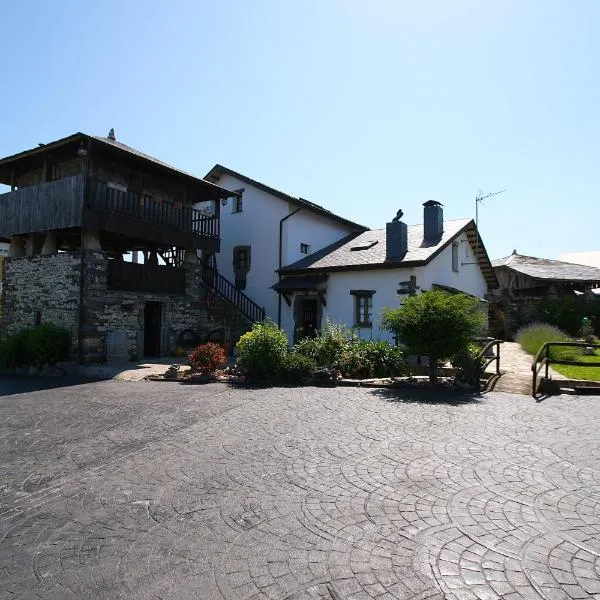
x=307, y=227
x=257, y=226
x=468, y=279
x=386, y=282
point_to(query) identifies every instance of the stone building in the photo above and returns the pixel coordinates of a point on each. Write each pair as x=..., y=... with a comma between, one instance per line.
x=527, y=282
x=104, y=241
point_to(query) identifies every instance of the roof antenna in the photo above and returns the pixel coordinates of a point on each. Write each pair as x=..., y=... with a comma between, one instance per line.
x=479, y=198
x=111, y=134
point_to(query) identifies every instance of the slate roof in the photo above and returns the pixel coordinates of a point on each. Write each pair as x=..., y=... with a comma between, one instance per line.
x=340, y=256
x=119, y=146
x=219, y=170
x=543, y=268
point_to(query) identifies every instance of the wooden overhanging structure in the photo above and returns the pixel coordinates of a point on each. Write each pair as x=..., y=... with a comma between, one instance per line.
x=316, y=284
x=71, y=191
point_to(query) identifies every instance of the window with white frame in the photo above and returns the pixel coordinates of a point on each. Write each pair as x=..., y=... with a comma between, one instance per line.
x=304, y=248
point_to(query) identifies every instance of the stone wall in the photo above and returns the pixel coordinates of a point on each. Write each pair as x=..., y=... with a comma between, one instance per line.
x=47, y=288
x=44, y=289
x=109, y=312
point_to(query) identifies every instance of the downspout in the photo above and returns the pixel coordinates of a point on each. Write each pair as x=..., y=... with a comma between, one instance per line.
x=280, y=260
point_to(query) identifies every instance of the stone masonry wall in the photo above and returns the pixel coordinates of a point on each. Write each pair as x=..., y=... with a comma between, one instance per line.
x=108, y=311
x=48, y=285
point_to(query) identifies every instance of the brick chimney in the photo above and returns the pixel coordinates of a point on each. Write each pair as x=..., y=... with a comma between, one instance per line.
x=396, y=238
x=433, y=220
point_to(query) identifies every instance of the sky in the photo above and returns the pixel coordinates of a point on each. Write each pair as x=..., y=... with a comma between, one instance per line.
x=362, y=107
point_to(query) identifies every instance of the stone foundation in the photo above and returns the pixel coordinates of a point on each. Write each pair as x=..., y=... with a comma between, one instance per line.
x=47, y=289
x=42, y=289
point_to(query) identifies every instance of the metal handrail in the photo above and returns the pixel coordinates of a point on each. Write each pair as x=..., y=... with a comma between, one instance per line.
x=229, y=292
x=482, y=364
x=544, y=359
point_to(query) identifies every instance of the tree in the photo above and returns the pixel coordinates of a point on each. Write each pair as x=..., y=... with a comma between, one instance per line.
x=435, y=323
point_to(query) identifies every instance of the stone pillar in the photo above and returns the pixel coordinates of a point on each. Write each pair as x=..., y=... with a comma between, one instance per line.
x=91, y=240
x=30, y=245
x=50, y=244
x=17, y=250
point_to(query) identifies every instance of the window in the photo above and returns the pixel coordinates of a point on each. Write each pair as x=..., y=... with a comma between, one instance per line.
x=237, y=201
x=304, y=249
x=242, y=258
x=363, y=307
x=455, y=256
x=241, y=265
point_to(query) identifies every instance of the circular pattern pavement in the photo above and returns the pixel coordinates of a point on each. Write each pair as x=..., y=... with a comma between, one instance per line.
x=135, y=490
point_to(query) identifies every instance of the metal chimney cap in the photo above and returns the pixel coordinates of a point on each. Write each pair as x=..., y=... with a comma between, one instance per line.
x=432, y=203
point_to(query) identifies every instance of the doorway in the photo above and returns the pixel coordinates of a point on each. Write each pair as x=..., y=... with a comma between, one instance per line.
x=152, y=328
x=307, y=318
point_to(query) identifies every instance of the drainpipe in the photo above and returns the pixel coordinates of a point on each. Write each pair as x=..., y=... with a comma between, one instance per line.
x=281, y=258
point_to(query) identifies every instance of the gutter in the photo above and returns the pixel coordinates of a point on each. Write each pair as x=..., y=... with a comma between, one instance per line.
x=281, y=258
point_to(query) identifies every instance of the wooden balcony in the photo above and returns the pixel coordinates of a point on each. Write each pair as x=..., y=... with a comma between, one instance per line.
x=134, y=214
x=143, y=278
x=68, y=203
x=43, y=207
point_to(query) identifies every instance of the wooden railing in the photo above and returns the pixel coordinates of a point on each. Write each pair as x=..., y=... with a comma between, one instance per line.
x=543, y=359
x=41, y=207
x=235, y=297
x=147, y=208
x=136, y=277
x=486, y=357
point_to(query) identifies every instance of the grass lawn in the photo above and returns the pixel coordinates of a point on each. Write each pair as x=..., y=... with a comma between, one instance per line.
x=588, y=373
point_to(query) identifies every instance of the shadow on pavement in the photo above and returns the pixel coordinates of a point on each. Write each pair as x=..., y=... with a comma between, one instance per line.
x=14, y=384
x=412, y=395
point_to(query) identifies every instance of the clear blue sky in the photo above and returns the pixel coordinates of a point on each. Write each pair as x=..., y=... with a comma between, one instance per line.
x=364, y=107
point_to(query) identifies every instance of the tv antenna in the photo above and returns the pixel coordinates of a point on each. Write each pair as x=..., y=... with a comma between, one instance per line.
x=479, y=198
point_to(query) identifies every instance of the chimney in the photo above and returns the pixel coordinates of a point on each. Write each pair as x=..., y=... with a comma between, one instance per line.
x=433, y=220
x=396, y=238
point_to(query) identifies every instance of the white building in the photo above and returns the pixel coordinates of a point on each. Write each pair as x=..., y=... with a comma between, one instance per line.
x=352, y=280
x=264, y=229
x=591, y=259
x=305, y=264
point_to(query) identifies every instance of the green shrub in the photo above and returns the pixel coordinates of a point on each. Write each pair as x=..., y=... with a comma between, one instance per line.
x=435, y=323
x=364, y=359
x=466, y=364
x=43, y=344
x=15, y=350
x=205, y=359
x=262, y=350
x=295, y=368
x=533, y=336
x=327, y=347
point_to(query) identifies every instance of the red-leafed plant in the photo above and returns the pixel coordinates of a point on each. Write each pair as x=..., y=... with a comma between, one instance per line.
x=207, y=358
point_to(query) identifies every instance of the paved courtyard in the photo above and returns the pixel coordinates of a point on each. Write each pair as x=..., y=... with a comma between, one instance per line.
x=118, y=490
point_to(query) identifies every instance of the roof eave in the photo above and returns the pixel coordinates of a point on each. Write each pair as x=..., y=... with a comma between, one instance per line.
x=218, y=170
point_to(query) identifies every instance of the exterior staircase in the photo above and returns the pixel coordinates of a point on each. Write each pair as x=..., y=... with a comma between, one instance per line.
x=228, y=292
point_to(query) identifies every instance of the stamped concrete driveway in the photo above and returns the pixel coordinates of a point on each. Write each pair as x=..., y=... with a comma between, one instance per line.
x=136, y=490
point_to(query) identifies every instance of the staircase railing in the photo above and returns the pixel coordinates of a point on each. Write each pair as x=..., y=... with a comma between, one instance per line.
x=486, y=357
x=226, y=290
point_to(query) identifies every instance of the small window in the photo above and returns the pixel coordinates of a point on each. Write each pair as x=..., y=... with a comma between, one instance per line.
x=363, y=307
x=242, y=259
x=237, y=202
x=455, y=256
x=304, y=249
